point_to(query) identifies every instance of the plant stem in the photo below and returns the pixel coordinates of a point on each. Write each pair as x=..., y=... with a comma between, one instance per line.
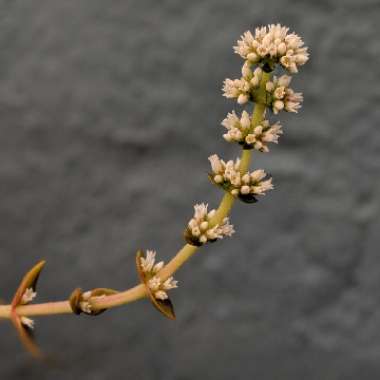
x=138, y=291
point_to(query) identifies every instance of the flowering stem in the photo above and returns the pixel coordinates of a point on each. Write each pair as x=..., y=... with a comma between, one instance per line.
x=139, y=291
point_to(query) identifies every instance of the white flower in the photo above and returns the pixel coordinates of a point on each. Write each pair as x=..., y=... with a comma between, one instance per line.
x=262, y=187
x=273, y=42
x=29, y=323
x=160, y=287
x=161, y=295
x=148, y=262
x=170, y=283
x=245, y=120
x=28, y=296
x=257, y=175
x=293, y=100
x=235, y=88
x=216, y=164
x=200, y=212
x=84, y=304
x=220, y=231
x=154, y=283
x=283, y=96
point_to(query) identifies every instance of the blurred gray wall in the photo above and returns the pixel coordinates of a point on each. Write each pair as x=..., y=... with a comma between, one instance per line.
x=108, y=111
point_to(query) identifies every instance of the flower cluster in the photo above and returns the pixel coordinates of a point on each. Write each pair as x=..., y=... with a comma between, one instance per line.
x=242, y=89
x=201, y=230
x=271, y=45
x=239, y=130
x=155, y=284
x=244, y=185
x=283, y=97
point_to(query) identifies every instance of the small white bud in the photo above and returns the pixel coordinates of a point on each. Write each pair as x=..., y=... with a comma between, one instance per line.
x=245, y=121
x=255, y=81
x=278, y=105
x=284, y=80
x=158, y=267
x=216, y=163
x=279, y=92
x=161, y=295
x=253, y=57
x=195, y=231
x=227, y=137
x=258, y=72
x=242, y=99
x=27, y=322
x=250, y=139
x=218, y=178
x=204, y=226
x=211, y=214
x=262, y=50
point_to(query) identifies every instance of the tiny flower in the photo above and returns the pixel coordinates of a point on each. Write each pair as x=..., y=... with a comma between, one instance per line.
x=161, y=295
x=293, y=101
x=201, y=230
x=277, y=106
x=27, y=322
x=148, y=262
x=154, y=283
x=246, y=185
x=28, y=296
x=170, y=283
x=273, y=43
x=84, y=303
x=283, y=97
x=243, y=98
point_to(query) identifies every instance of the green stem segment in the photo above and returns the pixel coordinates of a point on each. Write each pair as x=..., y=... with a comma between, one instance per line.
x=137, y=292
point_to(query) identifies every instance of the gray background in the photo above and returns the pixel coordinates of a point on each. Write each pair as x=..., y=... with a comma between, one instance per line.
x=108, y=111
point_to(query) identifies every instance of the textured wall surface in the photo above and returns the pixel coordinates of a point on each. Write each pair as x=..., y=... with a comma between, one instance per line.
x=108, y=111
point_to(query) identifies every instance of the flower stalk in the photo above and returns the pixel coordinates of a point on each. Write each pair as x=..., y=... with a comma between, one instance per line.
x=263, y=52
x=185, y=253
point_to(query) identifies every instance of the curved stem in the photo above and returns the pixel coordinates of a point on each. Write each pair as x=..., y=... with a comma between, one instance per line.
x=138, y=291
